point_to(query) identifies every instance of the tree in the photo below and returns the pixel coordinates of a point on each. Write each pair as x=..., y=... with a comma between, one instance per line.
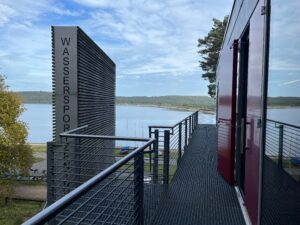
x=15, y=154
x=210, y=47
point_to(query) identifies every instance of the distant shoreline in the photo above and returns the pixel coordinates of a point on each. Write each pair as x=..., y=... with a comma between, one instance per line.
x=175, y=102
x=176, y=108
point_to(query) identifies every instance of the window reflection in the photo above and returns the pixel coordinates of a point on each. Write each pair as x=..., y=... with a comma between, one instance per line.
x=281, y=172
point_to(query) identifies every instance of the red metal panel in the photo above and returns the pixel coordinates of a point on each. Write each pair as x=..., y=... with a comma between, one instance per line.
x=226, y=111
x=254, y=111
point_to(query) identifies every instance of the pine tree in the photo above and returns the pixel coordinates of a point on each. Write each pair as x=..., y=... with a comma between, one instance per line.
x=209, y=51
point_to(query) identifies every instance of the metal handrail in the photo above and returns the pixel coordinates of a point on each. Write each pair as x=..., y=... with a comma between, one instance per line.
x=117, y=138
x=282, y=144
x=60, y=205
x=287, y=124
x=165, y=126
x=74, y=130
x=71, y=134
x=172, y=142
x=57, y=207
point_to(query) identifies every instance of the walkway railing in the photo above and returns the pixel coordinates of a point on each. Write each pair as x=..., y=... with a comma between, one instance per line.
x=283, y=146
x=95, y=183
x=172, y=142
x=92, y=180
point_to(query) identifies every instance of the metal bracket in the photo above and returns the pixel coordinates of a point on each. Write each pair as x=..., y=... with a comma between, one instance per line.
x=258, y=125
x=278, y=125
x=263, y=10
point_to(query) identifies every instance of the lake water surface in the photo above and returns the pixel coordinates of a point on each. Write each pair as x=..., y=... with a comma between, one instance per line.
x=133, y=120
x=286, y=115
x=130, y=120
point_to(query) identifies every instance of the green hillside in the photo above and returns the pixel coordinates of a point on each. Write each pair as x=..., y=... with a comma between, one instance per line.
x=180, y=102
x=172, y=101
x=36, y=97
x=283, y=101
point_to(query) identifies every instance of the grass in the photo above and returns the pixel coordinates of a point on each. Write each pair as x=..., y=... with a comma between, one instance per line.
x=38, y=147
x=31, y=182
x=15, y=183
x=286, y=164
x=38, y=159
x=172, y=168
x=16, y=212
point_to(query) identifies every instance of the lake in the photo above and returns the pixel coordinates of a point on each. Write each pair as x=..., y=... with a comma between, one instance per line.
x=133, y=120
x=286, y=115
x=130, y=120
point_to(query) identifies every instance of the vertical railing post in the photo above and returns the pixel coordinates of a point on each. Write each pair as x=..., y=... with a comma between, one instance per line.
x=190, y=126
x=139, y=186
x=51, y=190
x=195, y=124
x=77, y=157
x=185, y=133
x=155, y=163
x=280, y=145
x=192, y=123
x=197, y=117
x=179, y=141
x=150, y=148
x=166, y=156
x=50, y=173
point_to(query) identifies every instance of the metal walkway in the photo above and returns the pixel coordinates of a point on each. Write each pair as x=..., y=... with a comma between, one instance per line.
x=281, y=196
x=198, y=195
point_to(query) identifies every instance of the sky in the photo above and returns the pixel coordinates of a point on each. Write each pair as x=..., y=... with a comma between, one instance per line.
x=152, y=42
x=284, y=67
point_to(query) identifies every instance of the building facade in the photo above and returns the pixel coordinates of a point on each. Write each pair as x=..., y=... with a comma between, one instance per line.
x=258, y=58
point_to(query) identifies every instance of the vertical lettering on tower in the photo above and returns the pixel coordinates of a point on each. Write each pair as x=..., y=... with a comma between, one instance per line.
x=65, y=79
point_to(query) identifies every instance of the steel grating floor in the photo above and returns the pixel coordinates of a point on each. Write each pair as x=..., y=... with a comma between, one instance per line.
x=198, y=195
x=281, y=196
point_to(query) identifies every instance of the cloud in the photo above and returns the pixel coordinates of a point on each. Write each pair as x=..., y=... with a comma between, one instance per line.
x=25, y=41
x=288, y=83
x=64, y=12
x=145, y=38
x=154, y=36
x=6, y=13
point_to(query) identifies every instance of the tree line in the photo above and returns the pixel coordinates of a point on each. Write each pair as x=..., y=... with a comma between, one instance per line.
x=201, y=102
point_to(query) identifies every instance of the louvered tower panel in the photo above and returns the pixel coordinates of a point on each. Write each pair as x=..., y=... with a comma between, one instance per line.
x=83, y=94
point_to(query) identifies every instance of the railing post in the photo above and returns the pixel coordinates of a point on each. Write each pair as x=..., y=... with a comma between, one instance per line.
x=192, y=123
x=139, y=186
x=196, y=118
x=50, y=173
x=186, y=133
x=280, y=145
x=190, y=126
x=166, y=156
x=150, y=155
x=155, y=163
x=77, y=159
x=179, y=141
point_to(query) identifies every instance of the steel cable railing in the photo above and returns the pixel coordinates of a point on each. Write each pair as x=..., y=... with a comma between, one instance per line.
x=172, y=143
x=283, y=146
x=94, y=182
